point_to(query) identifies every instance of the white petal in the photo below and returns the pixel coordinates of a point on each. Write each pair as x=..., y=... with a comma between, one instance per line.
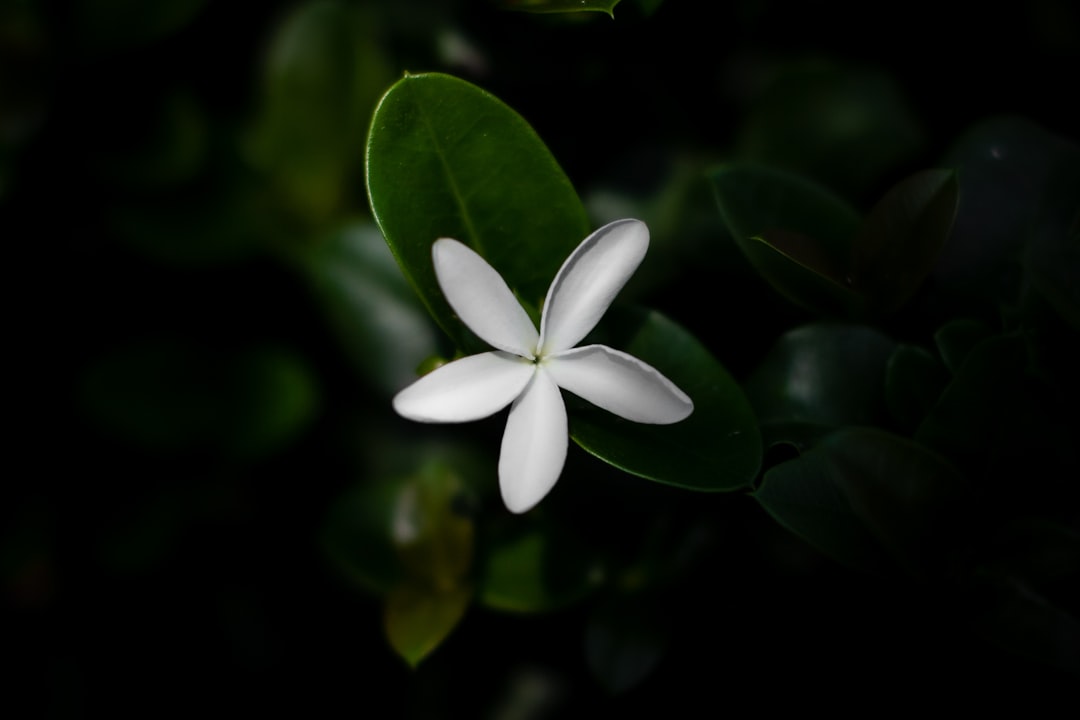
x=471, y=388
x=588, y=281
x=533, y=445
x=619, y=383
x=482, y=299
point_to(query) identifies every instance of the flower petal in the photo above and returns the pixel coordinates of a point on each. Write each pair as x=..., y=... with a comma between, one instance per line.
x=619, y=383
x=534, y=444
x=588, y=281
x=471, y=388
x=482, y=299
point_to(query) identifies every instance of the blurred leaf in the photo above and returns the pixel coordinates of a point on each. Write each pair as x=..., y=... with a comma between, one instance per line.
x=971, y=420
x=377, y=316
x=561, y=6
x=1014, y=615
x=861, y=491
x=957, y=338
x=822, y=374
x=900, y=239
x=226, y=218
x=324, y=73
x=433, y=539
x=625, y=639
x=175, y=396
x=120, y=24
x=804, y=497
x=166, y=145
x=846, y=127
x=447, y=159
x=537, y=568
x=1053, y=254
x=914, y=380
x=1005, y=166
x=434, y=543
x=717, y=448
x=417, y=619
x=796, y=234
x=407, y=521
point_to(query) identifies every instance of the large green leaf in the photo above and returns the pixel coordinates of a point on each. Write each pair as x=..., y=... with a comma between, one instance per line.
x=447, y=159
x=717, y=448
x=796, y=234
x=862, y=495
x=822, y=374
x=900, y=239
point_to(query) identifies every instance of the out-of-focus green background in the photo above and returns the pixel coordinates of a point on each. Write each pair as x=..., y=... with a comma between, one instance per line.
x=187, y=404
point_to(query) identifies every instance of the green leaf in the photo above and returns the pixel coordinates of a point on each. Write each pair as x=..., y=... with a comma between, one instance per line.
x=957, y=338
x=561, y=6
x=626, y=637
x=417, y=618
x=1014, y=615
x=406, y=523
x=717, y=448
x=323, y=76
x=822, y=374
x=796, y=234
x=847, y=127
x=862, y=491
x=1053, y=254
x=113, y=25
x=914, y=380
x=170, y=395
x=447, y=159
x=376, y=315
x=901, y=237
x=979, y=406
x=536, y=568
x=1006, y=165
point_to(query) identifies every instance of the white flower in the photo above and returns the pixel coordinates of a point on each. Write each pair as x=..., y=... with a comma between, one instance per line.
x=528, y=368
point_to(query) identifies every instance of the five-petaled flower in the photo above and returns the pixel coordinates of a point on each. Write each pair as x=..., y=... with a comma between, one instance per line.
x=528, y=368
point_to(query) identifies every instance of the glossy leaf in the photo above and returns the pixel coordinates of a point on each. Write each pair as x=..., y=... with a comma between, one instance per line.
x=822, y=374
x=796, y=234
x=561, y=6
x=717, y=448
x=863, y=494
x=376, y=315
x=900, y=239
x=447, y=159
